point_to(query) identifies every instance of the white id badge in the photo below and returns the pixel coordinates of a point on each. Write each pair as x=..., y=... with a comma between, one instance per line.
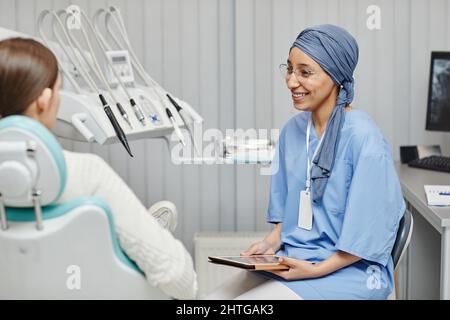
x=305, y=215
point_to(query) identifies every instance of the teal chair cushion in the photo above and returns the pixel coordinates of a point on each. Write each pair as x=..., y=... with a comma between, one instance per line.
x=54, y=211
x=40, y=131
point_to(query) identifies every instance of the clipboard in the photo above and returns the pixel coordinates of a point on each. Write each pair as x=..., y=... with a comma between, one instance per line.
x=254, y=262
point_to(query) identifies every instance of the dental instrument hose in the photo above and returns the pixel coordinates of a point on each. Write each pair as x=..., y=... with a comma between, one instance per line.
x=115, y=15
x=145, y=76
x=97, y=69
x=105, y=46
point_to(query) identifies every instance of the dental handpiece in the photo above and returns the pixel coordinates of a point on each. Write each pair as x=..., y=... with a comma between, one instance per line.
x=175, y=126
x=119, y=132
x=137, y=111
x=123, y=114
x=186, y=119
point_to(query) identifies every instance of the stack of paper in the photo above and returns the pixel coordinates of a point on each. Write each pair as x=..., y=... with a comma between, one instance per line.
x=438, y=195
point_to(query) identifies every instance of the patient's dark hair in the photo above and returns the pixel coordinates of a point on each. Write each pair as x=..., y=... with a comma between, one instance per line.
x=26, y=68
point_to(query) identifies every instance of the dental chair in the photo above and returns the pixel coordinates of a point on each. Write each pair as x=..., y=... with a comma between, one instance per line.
x=55, y=251
x=402, y=241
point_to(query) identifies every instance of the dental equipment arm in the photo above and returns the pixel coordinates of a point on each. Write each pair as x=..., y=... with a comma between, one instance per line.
x=115, y=15
x=105, y=47
x=96, y=67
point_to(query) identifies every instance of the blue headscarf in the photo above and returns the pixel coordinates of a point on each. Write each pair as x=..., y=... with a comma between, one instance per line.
x=336, y=51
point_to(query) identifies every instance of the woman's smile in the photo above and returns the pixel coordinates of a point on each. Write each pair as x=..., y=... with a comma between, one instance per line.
x=299, y=96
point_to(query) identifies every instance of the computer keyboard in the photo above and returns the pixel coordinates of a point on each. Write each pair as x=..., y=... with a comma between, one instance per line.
x=436, y=163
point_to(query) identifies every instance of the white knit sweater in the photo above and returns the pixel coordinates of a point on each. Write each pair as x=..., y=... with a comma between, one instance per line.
x=164, y=260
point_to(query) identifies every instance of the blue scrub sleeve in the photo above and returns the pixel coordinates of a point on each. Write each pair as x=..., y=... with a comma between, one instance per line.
x=278, y=184
x=374, y=208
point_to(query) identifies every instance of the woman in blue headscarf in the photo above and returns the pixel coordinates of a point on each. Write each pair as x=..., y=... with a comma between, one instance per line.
x=335, y=197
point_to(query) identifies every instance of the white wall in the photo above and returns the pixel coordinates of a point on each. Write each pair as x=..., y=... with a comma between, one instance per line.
x=222, y=57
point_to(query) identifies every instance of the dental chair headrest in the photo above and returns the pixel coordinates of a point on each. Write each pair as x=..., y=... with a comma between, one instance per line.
x=31, y=159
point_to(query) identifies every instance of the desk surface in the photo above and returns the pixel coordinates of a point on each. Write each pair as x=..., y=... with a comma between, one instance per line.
x=412, y=181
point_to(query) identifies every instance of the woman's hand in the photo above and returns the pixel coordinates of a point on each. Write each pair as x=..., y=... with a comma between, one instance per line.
x=262, y=247
x=270, y=244
x=301, y=269
x=298, y=269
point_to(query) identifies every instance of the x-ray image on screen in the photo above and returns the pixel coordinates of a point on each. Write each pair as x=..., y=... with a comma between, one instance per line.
x=438, y=117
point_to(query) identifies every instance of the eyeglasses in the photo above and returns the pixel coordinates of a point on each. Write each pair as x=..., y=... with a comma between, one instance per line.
x=301, y=74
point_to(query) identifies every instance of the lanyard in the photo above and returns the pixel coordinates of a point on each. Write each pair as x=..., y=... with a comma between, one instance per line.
x=308, y=172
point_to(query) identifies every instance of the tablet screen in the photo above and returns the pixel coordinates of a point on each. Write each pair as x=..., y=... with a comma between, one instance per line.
x=252, y=260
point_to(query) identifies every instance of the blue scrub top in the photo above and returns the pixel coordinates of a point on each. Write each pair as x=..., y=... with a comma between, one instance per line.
x=359, y=213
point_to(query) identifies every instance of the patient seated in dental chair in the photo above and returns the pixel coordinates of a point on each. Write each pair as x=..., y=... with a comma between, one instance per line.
x=29, y=85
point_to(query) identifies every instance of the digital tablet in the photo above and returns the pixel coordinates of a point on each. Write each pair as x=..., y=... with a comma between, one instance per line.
x=255, y=262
